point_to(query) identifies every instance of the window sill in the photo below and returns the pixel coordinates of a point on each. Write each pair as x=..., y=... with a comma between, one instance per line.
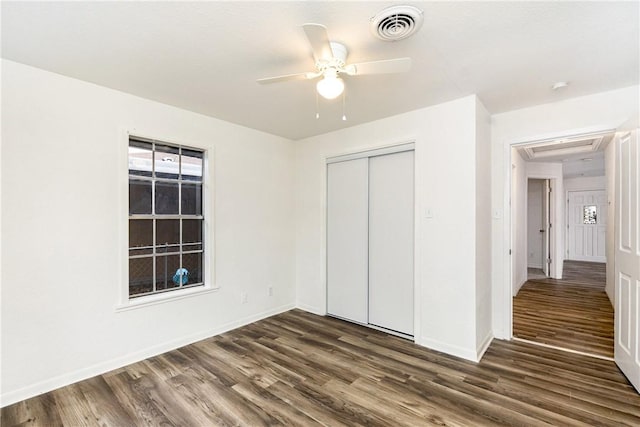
x=163, y=298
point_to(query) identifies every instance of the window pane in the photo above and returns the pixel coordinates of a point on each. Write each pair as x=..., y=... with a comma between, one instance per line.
x=193, y=247
x=191, y=199
x=167, y=235
x=192, y=165
x=191, y=231
x=138, y=252
x=167, y=161
x=140, y=236
x=139, y=158
x=166, y=198
x=140, y=275
x=589, y=215
x=166, y=267
x=193, y=264
x=139, y=197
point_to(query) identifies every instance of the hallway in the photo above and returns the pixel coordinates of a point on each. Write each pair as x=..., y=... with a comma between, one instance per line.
x=573, y=313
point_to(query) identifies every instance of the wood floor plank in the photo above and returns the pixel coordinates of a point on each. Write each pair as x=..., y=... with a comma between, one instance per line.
x=317, y=410
x=42, y=411
x=417, y=403
x=73, y=407
x=99, y=396
x=301, y=369
x=132, y=396
x=390, y=413
x=262, y=397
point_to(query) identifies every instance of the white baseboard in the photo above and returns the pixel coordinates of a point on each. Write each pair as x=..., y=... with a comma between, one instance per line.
x=484, y=345
x=453, y=350
x=311, y=309
x=535, y=266
x=10, y=397
x=599, y=259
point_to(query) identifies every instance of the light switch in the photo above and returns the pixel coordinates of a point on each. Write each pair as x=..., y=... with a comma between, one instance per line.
x=496, y=214
x=428, y=213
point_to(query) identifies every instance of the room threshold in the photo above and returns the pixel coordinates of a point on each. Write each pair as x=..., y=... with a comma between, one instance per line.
x=568, y=350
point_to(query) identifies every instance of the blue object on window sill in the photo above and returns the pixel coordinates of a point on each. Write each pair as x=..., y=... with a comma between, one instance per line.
x=181, y=277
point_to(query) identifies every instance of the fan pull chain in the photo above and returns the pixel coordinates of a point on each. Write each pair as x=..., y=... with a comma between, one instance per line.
x=344, y=115
x=317, y=112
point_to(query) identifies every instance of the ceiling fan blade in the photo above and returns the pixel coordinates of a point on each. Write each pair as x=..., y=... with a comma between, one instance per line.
x=385, y=66
x=319, y=41
x=286, y=77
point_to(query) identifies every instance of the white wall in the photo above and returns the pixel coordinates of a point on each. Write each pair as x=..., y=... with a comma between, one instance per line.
x=484, y=332
x=535, y=239
x=578, y=168
x=61, y=192
x=605, y=110
x=445, y=163
x=1, y=133
x=519, y=217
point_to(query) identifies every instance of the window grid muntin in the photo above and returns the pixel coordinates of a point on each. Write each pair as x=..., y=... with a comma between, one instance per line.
x=155, y=217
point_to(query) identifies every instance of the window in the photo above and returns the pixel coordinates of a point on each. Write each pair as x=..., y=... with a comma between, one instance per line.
x=589, y=215
x=166, y=218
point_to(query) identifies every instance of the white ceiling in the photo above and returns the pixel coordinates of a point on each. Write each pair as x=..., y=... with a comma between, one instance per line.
x=594, y=165
x=206, y=56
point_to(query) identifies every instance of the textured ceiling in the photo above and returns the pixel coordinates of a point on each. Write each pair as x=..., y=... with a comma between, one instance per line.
x=206, y=56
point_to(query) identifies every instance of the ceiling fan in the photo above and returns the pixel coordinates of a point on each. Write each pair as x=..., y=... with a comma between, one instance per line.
x=330, y=61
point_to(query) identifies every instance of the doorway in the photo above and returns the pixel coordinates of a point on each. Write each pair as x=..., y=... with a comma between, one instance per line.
x=562, y=302
x=538, y=228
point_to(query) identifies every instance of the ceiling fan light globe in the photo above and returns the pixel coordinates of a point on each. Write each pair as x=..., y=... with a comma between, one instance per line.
x=330, y=87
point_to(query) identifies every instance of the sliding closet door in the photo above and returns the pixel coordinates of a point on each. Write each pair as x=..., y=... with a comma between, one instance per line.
x=347, y=240
x=391, y=209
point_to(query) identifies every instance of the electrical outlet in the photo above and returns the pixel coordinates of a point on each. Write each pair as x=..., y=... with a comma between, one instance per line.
x=270, y=291
x=243, y=297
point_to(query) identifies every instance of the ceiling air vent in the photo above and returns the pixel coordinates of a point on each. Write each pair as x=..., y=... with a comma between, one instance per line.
x=396, y=22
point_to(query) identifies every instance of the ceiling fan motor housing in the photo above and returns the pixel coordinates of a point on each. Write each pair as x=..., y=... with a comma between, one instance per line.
x=337, y=62
x=396, y=22
x=339, y=52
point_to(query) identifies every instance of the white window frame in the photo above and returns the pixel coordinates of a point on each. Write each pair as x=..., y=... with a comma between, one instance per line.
x=124, y=302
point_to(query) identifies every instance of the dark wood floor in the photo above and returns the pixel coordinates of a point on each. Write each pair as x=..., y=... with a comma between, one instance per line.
x=300, y=369
x=573, y=313
x=589, y=274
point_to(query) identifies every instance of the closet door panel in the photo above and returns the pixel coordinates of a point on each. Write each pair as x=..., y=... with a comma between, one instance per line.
x=391, y=241
x=347, y=239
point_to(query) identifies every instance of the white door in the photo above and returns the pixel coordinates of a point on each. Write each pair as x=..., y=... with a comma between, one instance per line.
x=587, y=225
x=546, y=226
x=391, y=210
x=627, y=257
x=347, y=239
